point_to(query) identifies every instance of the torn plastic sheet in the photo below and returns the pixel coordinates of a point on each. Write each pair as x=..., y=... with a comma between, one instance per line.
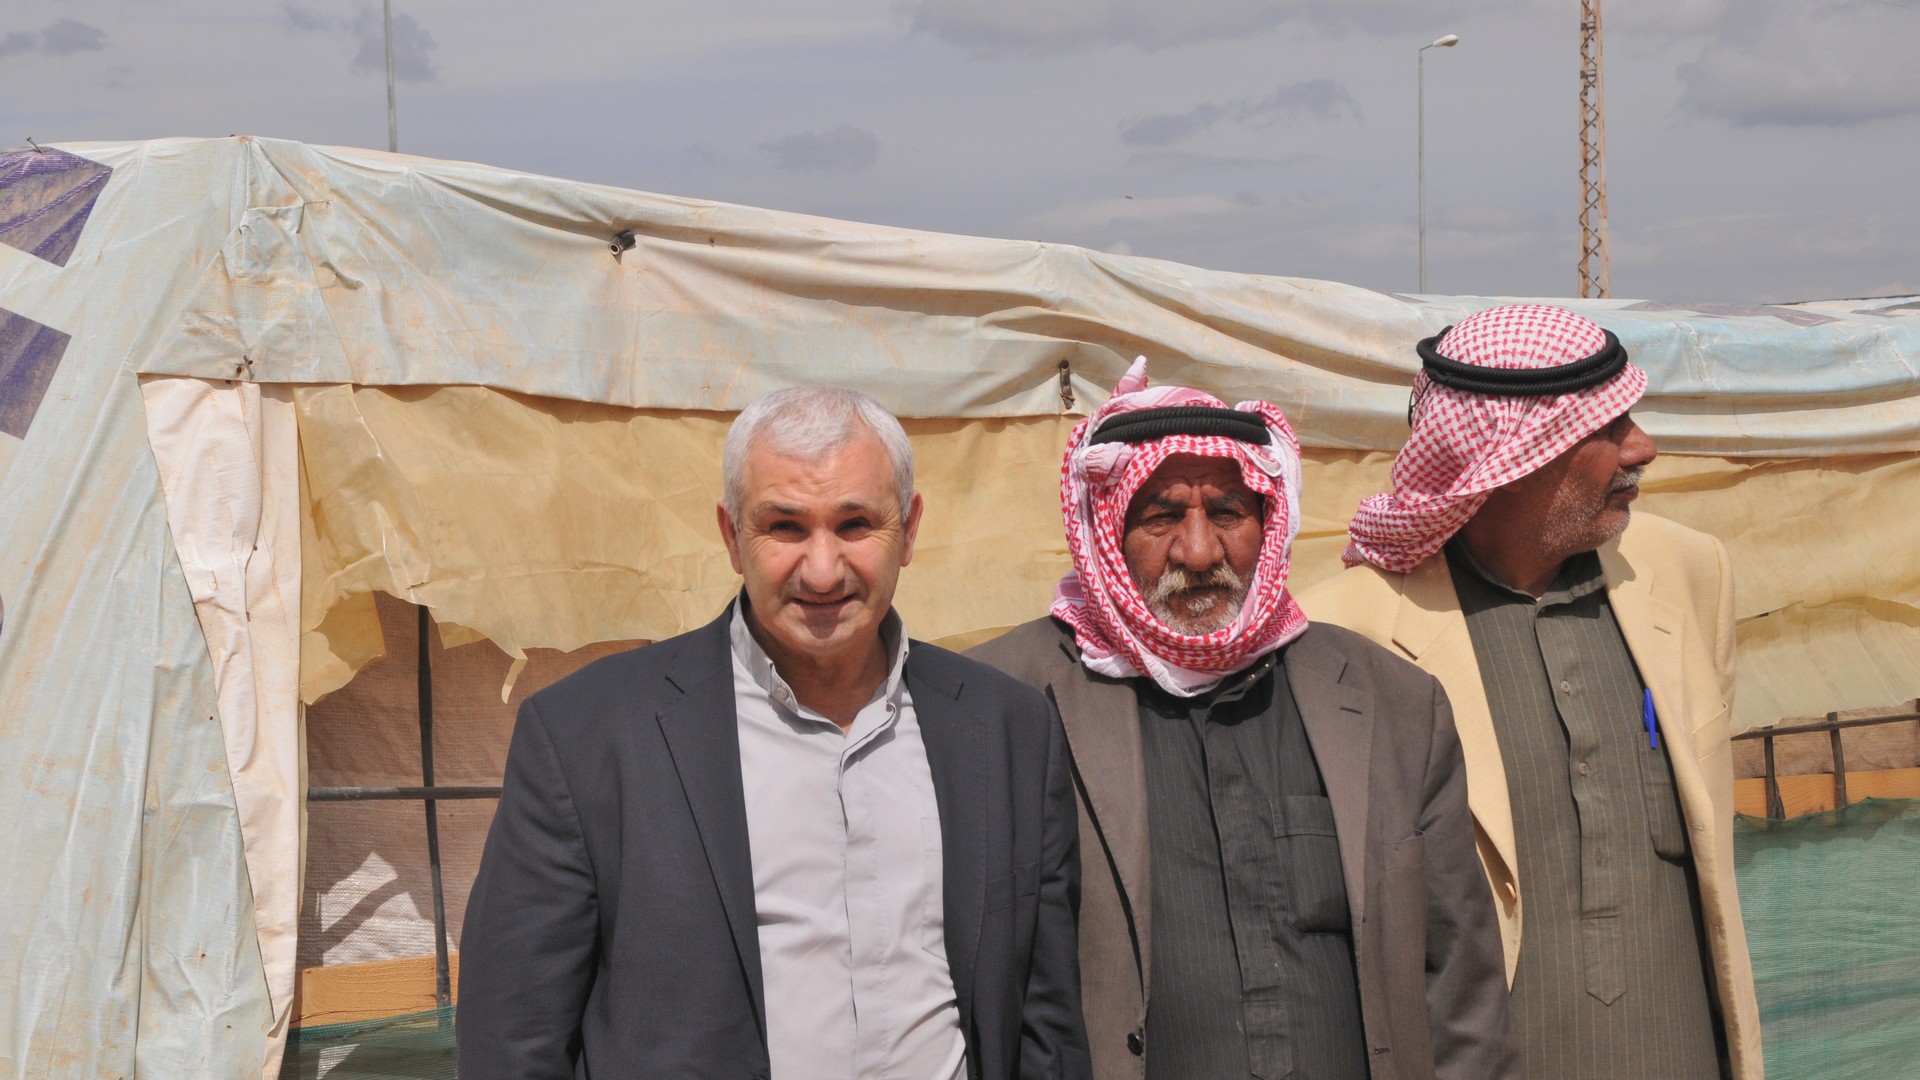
x=127, y=943
x=489, y=508
x=352, y=266
x=550, y=524
x=268, y=262
x=228, y=463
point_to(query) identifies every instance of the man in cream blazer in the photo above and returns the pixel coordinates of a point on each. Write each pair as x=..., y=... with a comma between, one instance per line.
x=1588, y=657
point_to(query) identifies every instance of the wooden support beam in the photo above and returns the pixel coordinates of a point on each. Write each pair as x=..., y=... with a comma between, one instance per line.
x=1813, y=794
x=344, y=993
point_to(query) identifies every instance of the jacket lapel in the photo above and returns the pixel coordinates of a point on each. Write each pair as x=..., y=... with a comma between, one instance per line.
x=1339, y=720
x=1102, y=721
x=956, y=744
x=1655, y=632
x=702, y=734
x=1431, y=630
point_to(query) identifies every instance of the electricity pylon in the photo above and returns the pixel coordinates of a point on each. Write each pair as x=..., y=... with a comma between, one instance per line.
x=1593, y=158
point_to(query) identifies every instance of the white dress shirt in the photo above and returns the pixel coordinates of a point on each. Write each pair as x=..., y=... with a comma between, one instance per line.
x=844, y=832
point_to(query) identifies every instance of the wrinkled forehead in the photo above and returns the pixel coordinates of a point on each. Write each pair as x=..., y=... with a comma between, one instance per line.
x=1186, y=478
x=855, y=473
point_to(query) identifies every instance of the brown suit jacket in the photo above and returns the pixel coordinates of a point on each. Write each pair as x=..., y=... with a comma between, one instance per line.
x=1432, y=997
x=1672, y=595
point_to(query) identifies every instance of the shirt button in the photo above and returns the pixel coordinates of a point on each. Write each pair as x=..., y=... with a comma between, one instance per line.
x=1135, y=1044
x=1566, y=687
x=1583, y=768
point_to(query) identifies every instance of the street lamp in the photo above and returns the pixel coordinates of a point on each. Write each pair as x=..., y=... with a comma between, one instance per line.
x=1446, y=42
x=393, y=120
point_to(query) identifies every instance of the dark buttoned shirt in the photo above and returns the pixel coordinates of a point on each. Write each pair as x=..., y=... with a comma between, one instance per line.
x=1252, y=967
x=1611, y=981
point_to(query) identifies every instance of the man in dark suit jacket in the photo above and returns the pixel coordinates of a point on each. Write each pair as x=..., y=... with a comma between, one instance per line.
x=791, y=842
x=1280, y=876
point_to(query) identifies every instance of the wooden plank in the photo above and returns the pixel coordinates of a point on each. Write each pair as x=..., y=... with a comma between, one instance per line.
x=344, y=993
x=1813, y=794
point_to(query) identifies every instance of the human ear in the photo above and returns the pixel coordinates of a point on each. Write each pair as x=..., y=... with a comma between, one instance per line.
x=910, y=528
x=730, y=536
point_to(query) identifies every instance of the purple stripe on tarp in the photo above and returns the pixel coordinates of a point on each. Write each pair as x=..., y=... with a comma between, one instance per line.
x=45, y=198
x=29, y=355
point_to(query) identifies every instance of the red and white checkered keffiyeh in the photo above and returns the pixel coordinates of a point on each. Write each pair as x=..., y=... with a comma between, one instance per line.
x=1119, y=635
x=1464, y=445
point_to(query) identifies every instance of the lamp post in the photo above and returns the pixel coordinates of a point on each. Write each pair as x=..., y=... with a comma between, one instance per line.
x=1446, y=42
x=393, y=119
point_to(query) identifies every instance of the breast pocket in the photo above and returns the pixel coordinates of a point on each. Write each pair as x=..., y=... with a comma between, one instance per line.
x=1310, y=864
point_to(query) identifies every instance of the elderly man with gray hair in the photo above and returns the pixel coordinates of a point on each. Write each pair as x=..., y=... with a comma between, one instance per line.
x=793, y=842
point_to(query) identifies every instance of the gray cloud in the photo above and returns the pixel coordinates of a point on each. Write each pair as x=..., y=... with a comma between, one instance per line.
x=63, y=37
x=365, y=31
x=1188, y=161
x=1704, y=207
x=1169, y=128
x=845, y=149
x=1806, y=65
x=1016, y=27
x=301, y=17
x=1320, y=99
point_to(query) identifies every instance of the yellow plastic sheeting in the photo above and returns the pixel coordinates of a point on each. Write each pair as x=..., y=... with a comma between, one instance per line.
x=543, y=523
x=1826, y=574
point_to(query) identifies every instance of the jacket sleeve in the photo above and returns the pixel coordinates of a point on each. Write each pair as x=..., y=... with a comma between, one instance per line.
x=1466, y=974
x=527, y=951
x=1053, y=1037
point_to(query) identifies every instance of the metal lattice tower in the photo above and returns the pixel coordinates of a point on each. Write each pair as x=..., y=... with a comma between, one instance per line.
x=1593, y=158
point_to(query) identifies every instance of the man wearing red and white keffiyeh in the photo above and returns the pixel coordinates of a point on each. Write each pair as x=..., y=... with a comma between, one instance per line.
x=1274, y=837
x=1200, y=618
x=1588, y=654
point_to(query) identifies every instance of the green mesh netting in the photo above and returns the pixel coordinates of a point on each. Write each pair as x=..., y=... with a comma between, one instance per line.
x=1832, y=905
x=418, y=1046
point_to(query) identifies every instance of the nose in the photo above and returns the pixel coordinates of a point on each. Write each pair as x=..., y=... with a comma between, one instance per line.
x=819, y=568
x=1197, y=545
x=1636, y=447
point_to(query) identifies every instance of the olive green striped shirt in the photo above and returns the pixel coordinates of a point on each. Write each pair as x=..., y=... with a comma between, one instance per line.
x=1611, y=980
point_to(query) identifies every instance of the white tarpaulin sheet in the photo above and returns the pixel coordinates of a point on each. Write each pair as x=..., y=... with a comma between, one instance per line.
x=147, y=553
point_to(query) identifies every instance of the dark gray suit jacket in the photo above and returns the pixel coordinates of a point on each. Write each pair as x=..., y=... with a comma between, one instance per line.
x=611, y=931
x=1433, y=991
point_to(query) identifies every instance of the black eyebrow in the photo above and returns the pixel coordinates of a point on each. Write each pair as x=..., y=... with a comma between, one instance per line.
x=1163, y=501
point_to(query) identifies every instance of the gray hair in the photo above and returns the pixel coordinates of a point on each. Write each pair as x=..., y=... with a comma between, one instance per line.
x=810, y=422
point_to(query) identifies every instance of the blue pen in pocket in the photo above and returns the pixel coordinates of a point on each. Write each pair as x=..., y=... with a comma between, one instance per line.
x=1652, y=721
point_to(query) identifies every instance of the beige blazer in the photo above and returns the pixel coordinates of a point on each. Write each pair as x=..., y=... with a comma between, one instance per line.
x=1672, y=595
x=1426, y=951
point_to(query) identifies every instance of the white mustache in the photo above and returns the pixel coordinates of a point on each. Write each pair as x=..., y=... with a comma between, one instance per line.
x=1627, y=479
x=1176, y=581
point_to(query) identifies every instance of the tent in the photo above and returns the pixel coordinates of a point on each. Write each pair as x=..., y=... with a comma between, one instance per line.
x=249, y=388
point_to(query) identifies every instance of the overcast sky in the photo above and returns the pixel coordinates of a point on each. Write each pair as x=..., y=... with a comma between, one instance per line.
x=1758, y=149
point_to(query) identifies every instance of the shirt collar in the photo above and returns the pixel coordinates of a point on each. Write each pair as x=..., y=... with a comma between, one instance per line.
x=1579, y=575
x=1231, y=689
x=759, y=665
